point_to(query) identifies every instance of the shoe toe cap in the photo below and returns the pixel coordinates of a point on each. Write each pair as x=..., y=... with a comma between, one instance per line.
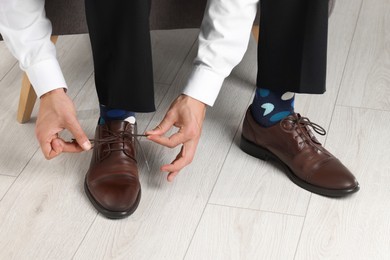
x=116, y=193
x=334, y=175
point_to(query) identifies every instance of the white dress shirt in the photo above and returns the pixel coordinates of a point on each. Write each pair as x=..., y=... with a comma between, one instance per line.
x=223, y=40
x=26, y=32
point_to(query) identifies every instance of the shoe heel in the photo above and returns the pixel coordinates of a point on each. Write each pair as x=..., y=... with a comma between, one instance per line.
x=254, y=150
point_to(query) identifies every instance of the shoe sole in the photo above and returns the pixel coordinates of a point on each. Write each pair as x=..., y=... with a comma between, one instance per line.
x=265, y=155
x=108, y=213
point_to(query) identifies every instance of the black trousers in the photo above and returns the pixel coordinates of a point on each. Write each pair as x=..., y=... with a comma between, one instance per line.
x=291, y=53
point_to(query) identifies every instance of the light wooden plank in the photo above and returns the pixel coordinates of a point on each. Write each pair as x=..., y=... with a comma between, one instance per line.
x=17, y=141
x=367, y=76
x=76, y=61
x=7, y=60
x=45, y=214
x=347, y=7
x=5, y=183
x=357, y=227
x=75, y=57
x=169, y=49
x=168, y=214
x=230, y=233
x=248, y=182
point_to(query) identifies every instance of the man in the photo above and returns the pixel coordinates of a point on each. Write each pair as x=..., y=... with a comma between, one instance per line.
x=292, y=58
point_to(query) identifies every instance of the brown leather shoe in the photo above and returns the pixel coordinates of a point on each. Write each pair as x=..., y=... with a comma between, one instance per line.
x=292, y=144
x=111, y=182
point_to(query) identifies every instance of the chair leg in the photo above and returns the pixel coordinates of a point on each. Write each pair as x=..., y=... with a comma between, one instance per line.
x=255, y=32
x=27, y=97
x=26, y=101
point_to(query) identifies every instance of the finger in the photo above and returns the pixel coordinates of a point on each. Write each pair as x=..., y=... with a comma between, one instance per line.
x=69, y=147
x=57, y=146
x=171, y=176
x=183, y=159
x=54, y=150
x=164, y=125
x=78, y=133
x=172, y=141
x=175, y=166
x=46, y=147
x=178, y=156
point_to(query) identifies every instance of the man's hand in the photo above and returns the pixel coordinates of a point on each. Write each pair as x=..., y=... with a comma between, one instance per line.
x=56, y=113
x=188, y=115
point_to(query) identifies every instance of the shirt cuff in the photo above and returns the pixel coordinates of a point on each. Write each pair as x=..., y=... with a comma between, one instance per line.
x=46, y=76
x=204, y=85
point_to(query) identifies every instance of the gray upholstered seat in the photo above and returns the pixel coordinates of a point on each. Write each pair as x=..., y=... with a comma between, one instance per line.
x=68, y=17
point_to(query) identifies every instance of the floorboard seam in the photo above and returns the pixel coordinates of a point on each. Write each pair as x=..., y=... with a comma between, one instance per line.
x=303, y=225
x=345, y=64
x=331, y=118
x=365, y=108
x=5, y=75
x=257, y=210
x=184, y=60
x=86, y=233
x=216, y=180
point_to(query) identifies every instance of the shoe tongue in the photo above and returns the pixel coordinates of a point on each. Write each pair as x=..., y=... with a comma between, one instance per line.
x=116, y=125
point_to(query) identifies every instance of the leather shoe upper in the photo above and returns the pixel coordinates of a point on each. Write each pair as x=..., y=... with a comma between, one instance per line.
x=295, y=145
x=112, y=179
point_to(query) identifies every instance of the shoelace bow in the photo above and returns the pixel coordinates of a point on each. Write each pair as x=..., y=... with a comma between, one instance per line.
x=303, y=124
x=117, y=138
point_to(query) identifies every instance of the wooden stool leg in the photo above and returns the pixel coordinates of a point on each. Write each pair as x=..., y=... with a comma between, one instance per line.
x=255, y=32
x=28, y=97
x=26, y=101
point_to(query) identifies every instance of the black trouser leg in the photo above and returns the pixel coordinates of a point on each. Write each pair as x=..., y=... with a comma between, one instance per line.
x=293, y=45
x=120, y=39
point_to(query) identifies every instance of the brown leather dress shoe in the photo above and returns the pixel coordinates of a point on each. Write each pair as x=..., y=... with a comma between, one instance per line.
x=112, y=183
x=292, y=144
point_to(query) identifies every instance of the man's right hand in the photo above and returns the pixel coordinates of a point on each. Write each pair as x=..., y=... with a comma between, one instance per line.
x=56, y=113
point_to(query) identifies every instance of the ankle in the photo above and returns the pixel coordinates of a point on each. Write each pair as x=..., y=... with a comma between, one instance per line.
x=269, y=107
x=109, y=114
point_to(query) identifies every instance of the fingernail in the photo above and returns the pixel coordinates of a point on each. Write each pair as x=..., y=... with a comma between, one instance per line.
x=86, y=146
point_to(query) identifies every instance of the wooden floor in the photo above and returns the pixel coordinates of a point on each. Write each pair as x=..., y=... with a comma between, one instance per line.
x=226, y=205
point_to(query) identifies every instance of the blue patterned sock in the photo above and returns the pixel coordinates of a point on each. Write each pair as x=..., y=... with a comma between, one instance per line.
x=268, y=107
x=107, y=114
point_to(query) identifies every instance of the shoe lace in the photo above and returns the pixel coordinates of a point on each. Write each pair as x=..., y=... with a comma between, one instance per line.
x=120, y=137
x=303, y=123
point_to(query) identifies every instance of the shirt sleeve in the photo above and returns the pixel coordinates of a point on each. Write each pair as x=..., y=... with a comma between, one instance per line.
x=223, y=40
x=26, y=32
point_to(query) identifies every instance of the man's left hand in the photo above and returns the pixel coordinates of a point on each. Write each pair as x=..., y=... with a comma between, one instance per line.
x=187, y=114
